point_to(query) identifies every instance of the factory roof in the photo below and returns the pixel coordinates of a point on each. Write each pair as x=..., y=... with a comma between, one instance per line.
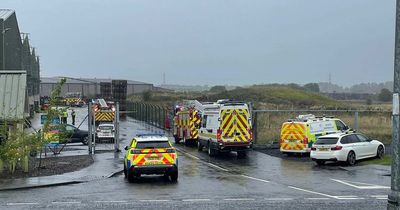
x=54, y=80
x=5, y=13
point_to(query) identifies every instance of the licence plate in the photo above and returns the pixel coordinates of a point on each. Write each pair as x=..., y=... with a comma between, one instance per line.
x=152, y=158
x=151, y=163
x=323, y=149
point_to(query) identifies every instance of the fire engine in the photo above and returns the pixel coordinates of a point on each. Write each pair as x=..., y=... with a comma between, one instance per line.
x=103, y=112
x=187, y=121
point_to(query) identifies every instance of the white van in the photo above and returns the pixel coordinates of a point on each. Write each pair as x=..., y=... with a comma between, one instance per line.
x=225, y=126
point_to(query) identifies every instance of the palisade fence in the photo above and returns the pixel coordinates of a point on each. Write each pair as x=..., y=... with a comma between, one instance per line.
x=267, y=123
x=155, y=115
x=375, y=124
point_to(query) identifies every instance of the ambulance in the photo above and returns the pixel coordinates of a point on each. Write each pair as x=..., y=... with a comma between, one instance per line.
x=298, y=135
x=225, y=126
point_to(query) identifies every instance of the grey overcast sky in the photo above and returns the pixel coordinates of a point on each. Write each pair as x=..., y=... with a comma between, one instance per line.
x=235, y=42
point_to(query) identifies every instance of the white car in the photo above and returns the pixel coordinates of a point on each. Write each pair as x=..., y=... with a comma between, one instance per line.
x=105, y=131
x=346, y=147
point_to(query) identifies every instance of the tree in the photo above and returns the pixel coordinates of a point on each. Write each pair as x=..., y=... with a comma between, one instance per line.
x=313, y=87
x=368, y=101
x=218, y=89
x=385, y=95
x=147, y=95
x=17, y=145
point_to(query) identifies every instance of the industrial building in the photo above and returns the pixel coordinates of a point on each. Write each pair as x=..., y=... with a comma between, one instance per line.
x=16, y=53
x=88, y=87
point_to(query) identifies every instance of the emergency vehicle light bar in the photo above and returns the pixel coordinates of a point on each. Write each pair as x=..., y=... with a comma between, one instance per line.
x=150, y=134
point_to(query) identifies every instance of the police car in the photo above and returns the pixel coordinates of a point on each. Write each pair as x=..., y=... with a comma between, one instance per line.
x=150, y=154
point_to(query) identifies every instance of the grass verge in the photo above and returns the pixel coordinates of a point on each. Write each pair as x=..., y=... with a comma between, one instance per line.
x=386, y=161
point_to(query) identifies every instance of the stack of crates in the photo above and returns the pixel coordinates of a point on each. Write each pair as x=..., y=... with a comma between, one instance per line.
x=119, y=93
x=105, y=90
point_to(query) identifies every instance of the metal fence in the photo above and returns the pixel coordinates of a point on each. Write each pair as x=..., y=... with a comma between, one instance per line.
x=156, y=115
x=375, y=124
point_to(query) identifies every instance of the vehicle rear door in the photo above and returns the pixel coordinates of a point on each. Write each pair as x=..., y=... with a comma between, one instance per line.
x=293, y=136
x=235, y=126
x=153, y=153
x=369, y=148
x=358, y=146
x=71, y=133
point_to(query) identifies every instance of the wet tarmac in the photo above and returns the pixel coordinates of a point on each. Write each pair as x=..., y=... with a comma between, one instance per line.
x=258, y=181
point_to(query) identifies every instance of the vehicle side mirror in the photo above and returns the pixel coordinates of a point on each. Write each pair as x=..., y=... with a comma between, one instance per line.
x=126, y=147
x=346, y=127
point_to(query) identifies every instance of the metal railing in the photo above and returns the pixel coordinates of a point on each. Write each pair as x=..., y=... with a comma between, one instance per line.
x=155, y=115
x=267, y=123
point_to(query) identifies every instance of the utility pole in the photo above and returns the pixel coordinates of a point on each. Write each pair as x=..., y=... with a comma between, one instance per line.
x=3, y=33
x=3, y=42
x=164, y=78
x=394, y=196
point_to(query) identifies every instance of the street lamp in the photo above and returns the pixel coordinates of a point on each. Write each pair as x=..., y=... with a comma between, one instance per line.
x=3, y=32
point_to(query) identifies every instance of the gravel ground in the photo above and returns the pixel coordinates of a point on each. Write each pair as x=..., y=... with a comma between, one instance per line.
x=51, y=166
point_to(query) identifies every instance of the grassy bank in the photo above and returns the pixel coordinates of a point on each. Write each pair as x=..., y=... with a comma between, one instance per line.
x=376, y=125
x=386, y=160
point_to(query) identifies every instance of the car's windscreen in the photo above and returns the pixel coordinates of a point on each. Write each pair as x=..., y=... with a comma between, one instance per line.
x=152, y=145
x=106, y=127
x=326, y=141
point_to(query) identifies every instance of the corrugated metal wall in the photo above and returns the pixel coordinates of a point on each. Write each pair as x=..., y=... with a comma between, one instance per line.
x=13, y=95
x=18, y=54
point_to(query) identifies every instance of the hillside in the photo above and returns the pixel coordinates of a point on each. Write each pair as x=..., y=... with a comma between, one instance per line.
x=271, y=96
x=262, y=96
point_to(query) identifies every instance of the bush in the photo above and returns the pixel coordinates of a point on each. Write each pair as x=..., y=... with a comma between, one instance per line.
x=218, y=89
x=385, y=95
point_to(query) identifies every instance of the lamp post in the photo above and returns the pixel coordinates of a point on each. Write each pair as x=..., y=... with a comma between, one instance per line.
x=3, y=32
x=394, y=196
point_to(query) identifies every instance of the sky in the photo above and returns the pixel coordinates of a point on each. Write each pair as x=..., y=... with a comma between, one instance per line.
x=210, y=42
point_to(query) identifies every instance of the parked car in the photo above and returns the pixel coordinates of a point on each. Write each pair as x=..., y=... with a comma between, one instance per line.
x=69, y=133
x=298, y=135
x=346, y=147
x=105, y=131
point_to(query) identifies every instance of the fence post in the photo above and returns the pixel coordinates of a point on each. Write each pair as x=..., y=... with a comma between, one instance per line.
x=255, y=127
x=159, y=116
x=90, y=127
x=147, y=113
x=116, y=133
x=153, y=115
x=134, y=110
x=164, y=118
x=356, y=120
